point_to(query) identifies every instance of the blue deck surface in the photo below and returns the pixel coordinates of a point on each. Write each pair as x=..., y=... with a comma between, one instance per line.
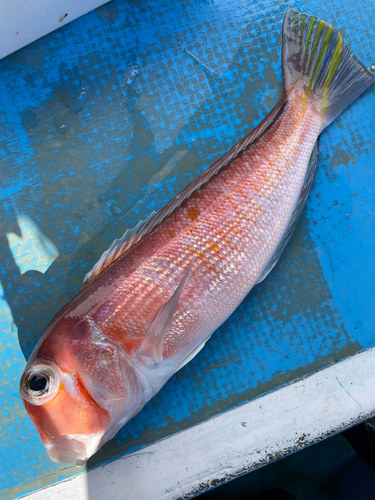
x=107, y=119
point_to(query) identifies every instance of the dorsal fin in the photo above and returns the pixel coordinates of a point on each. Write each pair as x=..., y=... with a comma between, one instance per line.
x=144, y=227
x=307, y=185
x=118, y=247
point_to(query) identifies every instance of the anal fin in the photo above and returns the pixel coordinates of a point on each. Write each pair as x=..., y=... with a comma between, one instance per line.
x=192, y=354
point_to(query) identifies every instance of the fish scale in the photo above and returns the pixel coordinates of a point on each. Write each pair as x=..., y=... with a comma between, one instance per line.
x=265, y=179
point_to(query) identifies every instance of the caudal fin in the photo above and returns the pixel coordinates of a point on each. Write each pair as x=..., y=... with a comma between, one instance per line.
x=315, y=53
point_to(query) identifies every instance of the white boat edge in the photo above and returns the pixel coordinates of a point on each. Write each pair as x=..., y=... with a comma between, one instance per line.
x=235, y=442
x=22, y=22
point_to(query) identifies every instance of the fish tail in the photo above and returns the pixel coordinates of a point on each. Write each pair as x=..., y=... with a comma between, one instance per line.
x=314, y=52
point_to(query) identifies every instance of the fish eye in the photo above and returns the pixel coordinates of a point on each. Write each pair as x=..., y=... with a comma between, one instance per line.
x=37, y=383
x=40, y=382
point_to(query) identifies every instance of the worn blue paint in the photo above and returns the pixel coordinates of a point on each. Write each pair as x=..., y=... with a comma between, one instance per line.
x=90, y=113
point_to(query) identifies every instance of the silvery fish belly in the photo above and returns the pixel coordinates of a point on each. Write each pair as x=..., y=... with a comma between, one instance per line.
x=157, y=295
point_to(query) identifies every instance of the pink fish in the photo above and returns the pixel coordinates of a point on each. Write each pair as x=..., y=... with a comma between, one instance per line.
x=158, y=294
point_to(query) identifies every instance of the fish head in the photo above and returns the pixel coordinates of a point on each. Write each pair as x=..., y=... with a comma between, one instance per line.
x=76, y=389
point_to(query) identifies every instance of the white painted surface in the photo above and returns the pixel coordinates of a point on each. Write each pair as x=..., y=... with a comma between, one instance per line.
x=234, y=442
x=23, y=21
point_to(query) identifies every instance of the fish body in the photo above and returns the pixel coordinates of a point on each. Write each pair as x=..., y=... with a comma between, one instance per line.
x=161, y=291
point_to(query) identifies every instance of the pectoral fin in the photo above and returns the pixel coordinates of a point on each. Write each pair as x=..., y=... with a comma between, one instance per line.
x=152, y=343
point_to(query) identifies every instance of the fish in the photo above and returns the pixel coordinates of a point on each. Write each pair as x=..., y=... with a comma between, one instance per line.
x=158, y=293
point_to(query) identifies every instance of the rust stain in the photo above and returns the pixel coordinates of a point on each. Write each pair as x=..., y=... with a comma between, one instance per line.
x=171, y=233
x=61, y=19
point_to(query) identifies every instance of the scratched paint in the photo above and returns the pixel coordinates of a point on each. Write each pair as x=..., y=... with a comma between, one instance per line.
x=107, y=119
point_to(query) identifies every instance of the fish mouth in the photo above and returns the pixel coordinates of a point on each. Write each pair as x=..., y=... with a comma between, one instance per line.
x=76, y=448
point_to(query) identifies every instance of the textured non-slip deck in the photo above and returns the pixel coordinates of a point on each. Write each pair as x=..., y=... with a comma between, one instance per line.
x=107, y=119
